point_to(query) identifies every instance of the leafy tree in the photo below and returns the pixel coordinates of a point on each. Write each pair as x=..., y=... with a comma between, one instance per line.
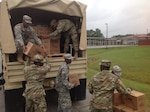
x=94, y=33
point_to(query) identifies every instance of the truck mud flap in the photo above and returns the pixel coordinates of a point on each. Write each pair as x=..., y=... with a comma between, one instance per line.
x=79, y=93
x=14, y=101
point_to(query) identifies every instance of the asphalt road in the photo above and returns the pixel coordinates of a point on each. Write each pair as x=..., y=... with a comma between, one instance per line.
x=13, y=101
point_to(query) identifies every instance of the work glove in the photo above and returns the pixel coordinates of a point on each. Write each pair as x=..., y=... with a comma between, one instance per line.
x=129, y=90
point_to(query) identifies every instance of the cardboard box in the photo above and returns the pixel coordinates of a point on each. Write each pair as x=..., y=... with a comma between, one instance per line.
x=54, y=46
x=135, y=101
x=118, y=108
x=33, y=49
x=127, y=109
x=74, y=78
x=46, y=43
x=42, y=30
x=117, y=98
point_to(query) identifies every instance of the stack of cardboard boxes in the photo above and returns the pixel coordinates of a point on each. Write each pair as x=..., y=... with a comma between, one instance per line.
x=52, y=46
x=135, y=102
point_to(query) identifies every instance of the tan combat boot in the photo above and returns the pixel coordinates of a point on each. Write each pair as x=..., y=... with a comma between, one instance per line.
x=19, y=58
x=76, y=55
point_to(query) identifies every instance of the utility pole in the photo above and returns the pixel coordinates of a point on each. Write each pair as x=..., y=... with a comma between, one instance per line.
x=106, y=33
x=147, y=30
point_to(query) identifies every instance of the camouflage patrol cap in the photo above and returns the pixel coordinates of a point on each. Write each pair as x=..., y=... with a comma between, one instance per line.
x=68, y=56
x=117, y=70
x=27, y=19
x=38, y=58
x=106, y=63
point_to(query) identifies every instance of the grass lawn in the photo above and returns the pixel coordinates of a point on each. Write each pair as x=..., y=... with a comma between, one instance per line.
x=134, y=61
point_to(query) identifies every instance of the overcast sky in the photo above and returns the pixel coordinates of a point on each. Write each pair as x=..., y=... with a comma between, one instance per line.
x=122, y=16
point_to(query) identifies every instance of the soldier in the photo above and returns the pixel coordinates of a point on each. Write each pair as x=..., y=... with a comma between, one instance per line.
x=102, y=87
x=24, y=33
x=69, y=30
x=63, y=86
x=116, y=70
x=34, y=92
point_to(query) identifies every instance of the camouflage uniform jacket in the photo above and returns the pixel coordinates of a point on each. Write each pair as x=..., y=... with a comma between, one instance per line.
x=24, y=35
x=34, y=75
x=102, y=87
x=64, y=25
x=62, y=83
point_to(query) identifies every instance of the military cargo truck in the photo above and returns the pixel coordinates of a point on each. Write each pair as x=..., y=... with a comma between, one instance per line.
x=42, y=12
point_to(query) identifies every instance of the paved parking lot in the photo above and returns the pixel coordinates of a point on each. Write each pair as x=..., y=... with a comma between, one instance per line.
x=15, y=102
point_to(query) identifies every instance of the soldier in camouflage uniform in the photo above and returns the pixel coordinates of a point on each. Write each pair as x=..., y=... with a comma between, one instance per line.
x=24, y=33
x=102, y=87
x=34, y=93
x=63, y=86
x=69, y=30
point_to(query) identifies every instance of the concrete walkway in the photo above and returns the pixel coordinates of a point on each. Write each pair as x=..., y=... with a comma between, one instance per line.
x=2, y=102
x=15, y=102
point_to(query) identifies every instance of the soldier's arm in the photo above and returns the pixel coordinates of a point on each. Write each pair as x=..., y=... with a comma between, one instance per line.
x=90, y=88
x=34, y=34
x=121, y=87
x=58, y=30
x=18, y=35
x=27, y=63
x=47, y=64
x=66, y=83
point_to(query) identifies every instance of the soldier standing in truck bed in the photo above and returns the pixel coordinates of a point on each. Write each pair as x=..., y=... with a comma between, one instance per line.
x=68, y=28
x=24, y=33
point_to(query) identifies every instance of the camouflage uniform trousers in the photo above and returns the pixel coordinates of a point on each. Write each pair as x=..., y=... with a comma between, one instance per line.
x=92, y=109
x=64, y=102
x=20, y=48
x=36, y=104
x=74, y=36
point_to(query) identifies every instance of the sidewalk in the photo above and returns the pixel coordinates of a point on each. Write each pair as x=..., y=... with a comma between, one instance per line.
x=78, y=106
x=15, y=102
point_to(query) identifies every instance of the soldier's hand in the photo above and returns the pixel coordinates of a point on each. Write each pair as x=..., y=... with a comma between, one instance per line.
x=44, y=49
x=76, y=84
x=24, y=48
x=129, y=90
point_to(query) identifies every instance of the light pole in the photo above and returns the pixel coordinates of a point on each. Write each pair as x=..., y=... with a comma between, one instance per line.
x=106, y=33
x=147, y=30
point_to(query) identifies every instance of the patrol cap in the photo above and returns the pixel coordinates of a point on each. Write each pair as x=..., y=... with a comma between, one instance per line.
x=27, y=19
x=68, y=56
x=117, y=70
x=106, y=63
x=38, y=58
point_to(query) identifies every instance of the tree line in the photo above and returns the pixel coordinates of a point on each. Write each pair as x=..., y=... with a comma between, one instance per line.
x=97, y=33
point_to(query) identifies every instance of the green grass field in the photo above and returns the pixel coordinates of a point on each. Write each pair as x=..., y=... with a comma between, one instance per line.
x=134, y=61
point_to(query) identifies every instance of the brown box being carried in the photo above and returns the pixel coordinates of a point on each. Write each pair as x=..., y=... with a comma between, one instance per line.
x=118, y=108
x=74, y=79
x=135, y=101
x=117, y=98
x=127, y=109
x=33, y=49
